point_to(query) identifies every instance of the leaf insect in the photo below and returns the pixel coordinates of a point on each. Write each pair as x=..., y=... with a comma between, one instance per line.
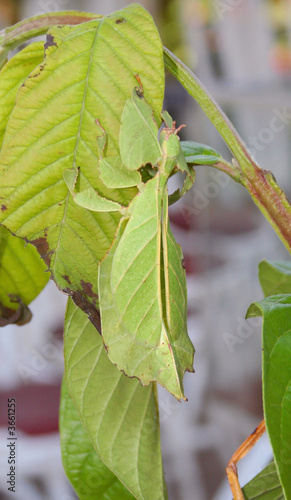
x=142, y=284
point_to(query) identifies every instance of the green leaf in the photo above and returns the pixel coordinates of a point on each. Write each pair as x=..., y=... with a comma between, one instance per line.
x=276, y=312
x=87, y=473
x=265, y=486
x=275, y=277
x=143, y=295
x=13, y=74
x=199, y=154
x=120, y=416
x=85, y=81
x=138, y=134
x=22, y=278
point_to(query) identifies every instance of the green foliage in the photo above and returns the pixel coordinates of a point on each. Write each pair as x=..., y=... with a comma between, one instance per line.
x=84, y=173
x=22, y=278
x=199, y=154
x=275, y=277
x=265, y=486
x=120, y=416
x=143, y=330
x=138, y=134
x=12, y=76
x=143, y=304
x=87, y=473
x=276, y=312
x=75, y=87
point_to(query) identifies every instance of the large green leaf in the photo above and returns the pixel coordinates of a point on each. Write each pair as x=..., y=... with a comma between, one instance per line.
x=87, y=76
x=120, y=416
x=275, y=277
x=265, y=486
x=13, y=75
x=276, y=312
x=22, y=278
x=90, y=477
x=143, y=295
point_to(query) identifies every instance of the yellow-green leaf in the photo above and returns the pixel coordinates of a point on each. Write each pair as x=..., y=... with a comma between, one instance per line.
x=87, y=76
x=13, y=75
x=22, y=277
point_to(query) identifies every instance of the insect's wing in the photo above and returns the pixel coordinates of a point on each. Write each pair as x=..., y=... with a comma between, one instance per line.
x=132, y=299
x=138, y=140
x=115, y=175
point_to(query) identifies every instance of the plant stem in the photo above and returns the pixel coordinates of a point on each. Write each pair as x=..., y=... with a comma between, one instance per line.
x=261, y=184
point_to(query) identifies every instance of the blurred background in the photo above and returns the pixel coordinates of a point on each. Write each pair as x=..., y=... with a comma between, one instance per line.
x=241, y=51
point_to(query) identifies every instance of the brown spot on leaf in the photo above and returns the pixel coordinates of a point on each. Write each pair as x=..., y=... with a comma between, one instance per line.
x=87, y=289
x=49, y=41
x=9, y=316
x=120, y=20
x=67, y=279
x=88, y=308
x=42, y=247
x=3, y=208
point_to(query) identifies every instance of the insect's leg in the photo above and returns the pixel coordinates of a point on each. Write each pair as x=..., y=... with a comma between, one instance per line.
x=140, y=88
x=231, y=469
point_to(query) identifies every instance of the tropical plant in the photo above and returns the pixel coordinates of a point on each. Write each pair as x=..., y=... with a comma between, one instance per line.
x=84, y=171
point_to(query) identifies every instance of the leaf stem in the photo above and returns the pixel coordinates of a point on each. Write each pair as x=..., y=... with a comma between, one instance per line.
x=261, y=184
